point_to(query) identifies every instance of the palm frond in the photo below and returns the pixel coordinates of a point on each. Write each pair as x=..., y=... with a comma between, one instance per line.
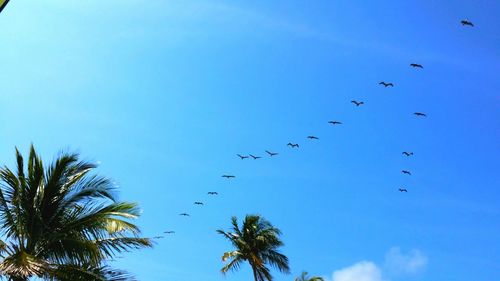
x=88, y=273
x=257, y=242
x=277, y=260
x=22, y=265
x=62, y=223
x=233, y=265
x=112, y=246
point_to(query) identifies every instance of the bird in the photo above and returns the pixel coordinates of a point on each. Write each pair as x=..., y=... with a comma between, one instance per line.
x=420, y=114
x=255, y=157
x=357, y=103
x=212, y=193
x=292, y=145
x=407, y=153
x=466, y=22
x=416, y=65
x=271, y=153
x=198, y=203
x=158, y=237
x=169, y=232
x=335, y=122
x=403, y=190
x=184, y=214
x=312, y=137
x=228, y=176
x=385, y=84
x=406, y=172
x=242, y=157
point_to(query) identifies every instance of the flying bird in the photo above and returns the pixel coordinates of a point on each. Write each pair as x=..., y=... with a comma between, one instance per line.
x=403, y=190
x=198, y=203
x=385, y=84
x=158, y=237
x=212, y=193
x=271, y=153
x=420, y=114
x=184, y=214
x=255, y=157
x=406, y=172
x=407, y=153
x=312, y=137
x=334, y=122
x=292, y=145
x=357, y=103
x=242, y=157
x=416, y=65
x=466, y=22
x=169, y=232
x=228, y=176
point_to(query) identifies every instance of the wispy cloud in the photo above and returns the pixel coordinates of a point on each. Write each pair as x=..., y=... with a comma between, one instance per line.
x=210, y=12
x=396, y=264
x=361, y=271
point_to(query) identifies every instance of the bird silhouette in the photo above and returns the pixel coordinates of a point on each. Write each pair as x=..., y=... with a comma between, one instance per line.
x=420, y=114
x=416, y=65
x=403, y=190
x=271, y=153
x=242, y=157
x=385, y=84
x=255, y=157
x=184, y=214
x=357, y=103
x=334, y=122
x=212, y=193
x=406, y=172
x=292, y=145
x=312, y=137
x=407, y=153
x=198, y=203
x=467, y=22
x=169, y=232
x=228, y=176
x=158, y=237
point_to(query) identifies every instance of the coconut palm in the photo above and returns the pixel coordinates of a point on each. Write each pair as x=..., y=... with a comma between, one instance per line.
x=61, y=222
x=257, y=243
x=304, y=277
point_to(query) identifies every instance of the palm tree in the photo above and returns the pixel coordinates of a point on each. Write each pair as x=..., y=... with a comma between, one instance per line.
x=304, y=277
x=61, y=222
x=257, y=243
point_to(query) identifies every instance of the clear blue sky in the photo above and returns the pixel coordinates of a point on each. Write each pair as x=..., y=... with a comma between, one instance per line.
x=165, y=93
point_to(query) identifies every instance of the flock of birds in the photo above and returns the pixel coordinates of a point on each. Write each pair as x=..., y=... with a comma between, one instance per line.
x=291, y=145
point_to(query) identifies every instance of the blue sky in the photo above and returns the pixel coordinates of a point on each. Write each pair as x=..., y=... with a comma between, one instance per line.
x=165, y=93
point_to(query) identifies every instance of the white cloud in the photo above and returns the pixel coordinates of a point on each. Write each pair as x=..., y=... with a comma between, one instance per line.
x=397, y=262
x=361, y=271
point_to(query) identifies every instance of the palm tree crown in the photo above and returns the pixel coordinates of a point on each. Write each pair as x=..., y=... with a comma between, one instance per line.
x=257, y=243
x=61, y=222
x=304, y=277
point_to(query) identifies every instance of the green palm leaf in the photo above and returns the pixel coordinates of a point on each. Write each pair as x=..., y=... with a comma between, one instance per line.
x=62, y=222
x=3, y=3
x=256, y=241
